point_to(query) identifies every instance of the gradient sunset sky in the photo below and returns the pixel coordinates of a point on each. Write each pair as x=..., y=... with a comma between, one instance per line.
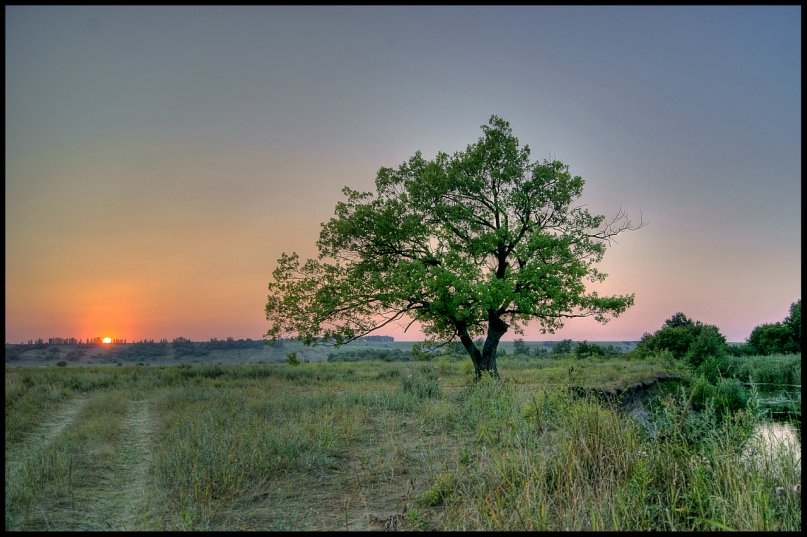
x=160, y=159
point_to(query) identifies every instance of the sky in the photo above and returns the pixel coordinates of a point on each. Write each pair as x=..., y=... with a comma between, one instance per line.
x=159, y=160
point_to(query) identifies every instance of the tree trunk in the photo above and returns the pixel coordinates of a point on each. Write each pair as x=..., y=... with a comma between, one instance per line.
x=496, y=329
x=468, y=343
x=484, y=361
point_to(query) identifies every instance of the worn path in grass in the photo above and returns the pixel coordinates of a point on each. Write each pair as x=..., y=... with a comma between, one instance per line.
x=31, y=448
x=370, y=487
x=120, y=501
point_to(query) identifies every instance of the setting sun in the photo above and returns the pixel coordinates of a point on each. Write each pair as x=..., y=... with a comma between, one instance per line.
x=107, y=340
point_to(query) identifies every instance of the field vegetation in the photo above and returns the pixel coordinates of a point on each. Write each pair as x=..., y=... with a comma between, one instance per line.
x=371, y=444
x=235, y=351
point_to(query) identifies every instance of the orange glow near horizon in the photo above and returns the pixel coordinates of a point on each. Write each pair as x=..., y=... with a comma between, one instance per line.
x=107, y=340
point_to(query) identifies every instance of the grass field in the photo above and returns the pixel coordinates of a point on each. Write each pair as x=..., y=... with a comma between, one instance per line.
x=107, y=354
x=375, y=445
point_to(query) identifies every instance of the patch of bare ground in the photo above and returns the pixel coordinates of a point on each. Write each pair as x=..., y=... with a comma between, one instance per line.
x=30, y=449
x=327, y=503
x=370, y=488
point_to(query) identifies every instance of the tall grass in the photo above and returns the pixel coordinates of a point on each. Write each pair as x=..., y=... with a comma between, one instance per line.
x=47, y=486
x=773, y=370
x=420, y=445
x=584, y=466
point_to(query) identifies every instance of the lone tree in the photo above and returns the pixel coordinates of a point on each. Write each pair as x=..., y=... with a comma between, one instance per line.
x=468, y=245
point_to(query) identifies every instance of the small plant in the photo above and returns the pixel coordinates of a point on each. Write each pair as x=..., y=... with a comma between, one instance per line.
x=416, y=520
x=292, y=359
x=438, y=492
x=420, y=384
x=731, y=394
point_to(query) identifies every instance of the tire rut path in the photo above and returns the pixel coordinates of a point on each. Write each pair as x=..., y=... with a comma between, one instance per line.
x=30, y=448
x=122, y=501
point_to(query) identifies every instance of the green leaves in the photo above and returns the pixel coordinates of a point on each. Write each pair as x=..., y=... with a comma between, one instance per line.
x=455, y=242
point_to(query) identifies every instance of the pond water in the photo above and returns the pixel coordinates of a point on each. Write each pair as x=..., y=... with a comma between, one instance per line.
x=773, y=441
x=778, y=436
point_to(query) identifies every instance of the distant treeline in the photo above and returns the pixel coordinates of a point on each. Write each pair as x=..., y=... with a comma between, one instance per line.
x=385, y=355
x=146, y=349
x=228, y=343
x=41, y=343
x=377, y=339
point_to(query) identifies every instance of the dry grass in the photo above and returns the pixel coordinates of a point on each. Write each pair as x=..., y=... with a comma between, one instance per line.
x=370, y=445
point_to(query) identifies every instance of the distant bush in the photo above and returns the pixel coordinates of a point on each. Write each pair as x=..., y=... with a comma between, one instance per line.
x=237, y=344
x=185, y=347
x=292, y=359
x=14, y=351
x=145, y=350
x=61, y=364
x=75, y=355
x=684, y=338
x=384, y=355
x=742, y=349
x=585, y=349
x=519, y=347
x=562, y=347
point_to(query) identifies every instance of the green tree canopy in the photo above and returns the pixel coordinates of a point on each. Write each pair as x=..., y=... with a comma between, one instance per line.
x=470, y=244
x=564, y=346
x=793, y=322
x=684, y=338
x=770, y=338
x=679, y=320
x=519, y=347
x=783, y=337
x=585, y=349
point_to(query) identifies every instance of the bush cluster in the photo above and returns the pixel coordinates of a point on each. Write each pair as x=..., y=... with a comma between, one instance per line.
x=686, y=339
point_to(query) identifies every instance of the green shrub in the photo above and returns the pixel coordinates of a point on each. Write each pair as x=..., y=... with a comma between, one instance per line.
x=702, y=391
x=731, y=394
x=421, y=385
x=708, y=342
x=684, y=338
x=585, y=349
x=782, y=337
x=563, y=346
x=438, y=492
x=710, y=368
x=520, y=348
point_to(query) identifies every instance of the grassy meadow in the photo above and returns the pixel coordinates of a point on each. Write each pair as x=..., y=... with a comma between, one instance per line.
x=383, y=445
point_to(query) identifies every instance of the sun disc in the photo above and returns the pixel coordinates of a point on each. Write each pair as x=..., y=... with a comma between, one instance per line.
x=107, y=340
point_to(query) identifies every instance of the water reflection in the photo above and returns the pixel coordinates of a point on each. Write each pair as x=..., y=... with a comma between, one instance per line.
x=778, y=436
x=774, y=441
